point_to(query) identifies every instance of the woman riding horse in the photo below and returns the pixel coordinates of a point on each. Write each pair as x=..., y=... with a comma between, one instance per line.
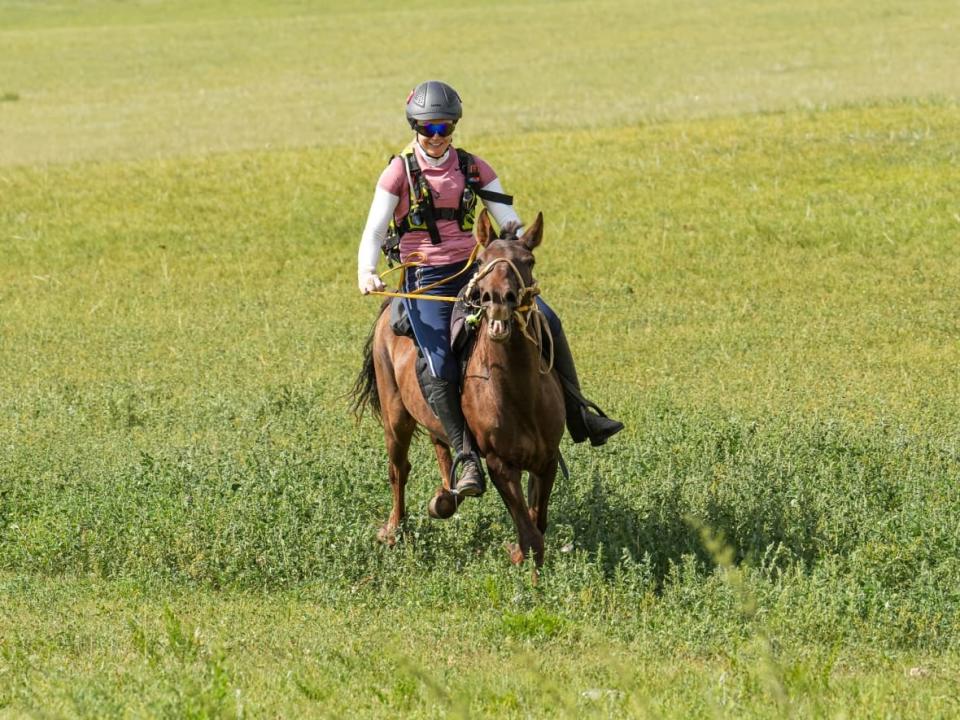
x=426, y=199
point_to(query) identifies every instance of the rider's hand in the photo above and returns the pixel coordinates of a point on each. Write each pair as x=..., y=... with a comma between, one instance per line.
x=370, y=281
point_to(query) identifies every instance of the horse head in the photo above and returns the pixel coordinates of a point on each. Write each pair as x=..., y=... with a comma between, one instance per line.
x=504, y=286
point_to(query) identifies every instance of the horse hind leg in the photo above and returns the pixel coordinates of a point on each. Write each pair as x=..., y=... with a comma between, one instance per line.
x=398, y=429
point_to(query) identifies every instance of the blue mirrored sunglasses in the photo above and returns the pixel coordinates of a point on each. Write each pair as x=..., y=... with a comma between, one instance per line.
x=443, y=129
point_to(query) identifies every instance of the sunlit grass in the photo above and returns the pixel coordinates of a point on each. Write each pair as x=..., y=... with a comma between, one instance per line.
x=767, y=299
x=107, y=80
x=193, y=653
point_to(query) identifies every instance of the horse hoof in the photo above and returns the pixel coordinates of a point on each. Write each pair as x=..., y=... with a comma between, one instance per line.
x=515, y=553
x=442, y=506
x=387, y=535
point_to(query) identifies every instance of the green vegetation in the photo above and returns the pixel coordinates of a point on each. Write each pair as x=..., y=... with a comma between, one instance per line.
x=767, y=299
x=105, y=79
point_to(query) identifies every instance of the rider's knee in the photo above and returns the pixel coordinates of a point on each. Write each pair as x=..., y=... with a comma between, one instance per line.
x=449, y=370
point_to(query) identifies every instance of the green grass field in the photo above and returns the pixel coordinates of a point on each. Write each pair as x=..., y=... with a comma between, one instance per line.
x=751, y=235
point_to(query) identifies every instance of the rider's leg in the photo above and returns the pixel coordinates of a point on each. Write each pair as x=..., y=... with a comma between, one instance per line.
x=443, y=397
x=584, y=419
x=430, y=321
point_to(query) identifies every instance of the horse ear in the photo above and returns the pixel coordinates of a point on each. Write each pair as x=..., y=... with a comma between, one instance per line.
x=534, y=234
x=485, y=233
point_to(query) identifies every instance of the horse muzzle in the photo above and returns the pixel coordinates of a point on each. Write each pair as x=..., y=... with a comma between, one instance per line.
x=499, y=321
x=499, y=330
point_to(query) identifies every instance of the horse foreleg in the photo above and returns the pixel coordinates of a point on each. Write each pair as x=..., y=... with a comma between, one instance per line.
x=398, y=430
x=443, y=504
x=507, y=481
x=539, y=487
x=444, y=460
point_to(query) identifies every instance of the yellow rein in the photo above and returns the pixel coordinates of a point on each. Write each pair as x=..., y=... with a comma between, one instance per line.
x=523, y=313
x=418, y=294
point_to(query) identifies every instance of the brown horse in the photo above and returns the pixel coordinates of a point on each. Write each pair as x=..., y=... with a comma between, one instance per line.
x=512, y=403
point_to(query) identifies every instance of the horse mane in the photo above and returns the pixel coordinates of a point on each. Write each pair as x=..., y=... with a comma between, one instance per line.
x=509, y=230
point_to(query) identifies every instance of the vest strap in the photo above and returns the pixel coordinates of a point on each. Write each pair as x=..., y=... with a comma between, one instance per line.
x=422, y=210
x=495, y=196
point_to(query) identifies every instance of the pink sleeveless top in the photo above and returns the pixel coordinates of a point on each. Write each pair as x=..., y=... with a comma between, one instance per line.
x=446, y=182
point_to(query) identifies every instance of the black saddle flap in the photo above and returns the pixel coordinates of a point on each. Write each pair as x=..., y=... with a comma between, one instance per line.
x=461, y=333
x=399, y=320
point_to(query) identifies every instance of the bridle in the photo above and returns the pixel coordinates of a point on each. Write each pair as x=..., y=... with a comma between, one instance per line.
x=526, y=314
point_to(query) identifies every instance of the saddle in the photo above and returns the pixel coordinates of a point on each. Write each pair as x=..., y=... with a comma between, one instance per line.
x=400, y=324
x=461, y=335
x=460, y=332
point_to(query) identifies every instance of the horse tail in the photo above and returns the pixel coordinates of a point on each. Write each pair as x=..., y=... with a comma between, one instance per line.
x=365, y=387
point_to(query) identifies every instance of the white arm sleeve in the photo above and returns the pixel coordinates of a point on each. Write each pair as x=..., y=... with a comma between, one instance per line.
x=501, y=213
x=381, y=212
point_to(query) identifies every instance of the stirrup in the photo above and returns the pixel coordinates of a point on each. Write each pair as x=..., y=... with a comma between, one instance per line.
x=473, y=489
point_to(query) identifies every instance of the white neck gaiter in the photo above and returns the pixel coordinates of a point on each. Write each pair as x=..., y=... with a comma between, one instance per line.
x=431, y=161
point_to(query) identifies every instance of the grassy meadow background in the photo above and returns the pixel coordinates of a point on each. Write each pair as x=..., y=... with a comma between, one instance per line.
x=752, y=224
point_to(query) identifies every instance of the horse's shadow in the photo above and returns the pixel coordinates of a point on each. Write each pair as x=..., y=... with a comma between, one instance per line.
x=595, y=516
x=620, y=529
x=590, y=514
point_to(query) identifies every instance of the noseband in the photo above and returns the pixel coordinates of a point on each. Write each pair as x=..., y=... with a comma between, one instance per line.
x=526, y=313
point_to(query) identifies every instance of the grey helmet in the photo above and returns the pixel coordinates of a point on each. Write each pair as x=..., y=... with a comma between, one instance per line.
x=433, y=100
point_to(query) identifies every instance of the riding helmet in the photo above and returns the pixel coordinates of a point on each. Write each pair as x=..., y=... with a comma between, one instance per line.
x=433, y=100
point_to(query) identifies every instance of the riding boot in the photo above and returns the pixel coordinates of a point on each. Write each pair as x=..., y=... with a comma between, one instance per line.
x=584, y=418
x=444, y=399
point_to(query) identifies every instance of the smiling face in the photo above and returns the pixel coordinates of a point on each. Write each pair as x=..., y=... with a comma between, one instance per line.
x=431, y=138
